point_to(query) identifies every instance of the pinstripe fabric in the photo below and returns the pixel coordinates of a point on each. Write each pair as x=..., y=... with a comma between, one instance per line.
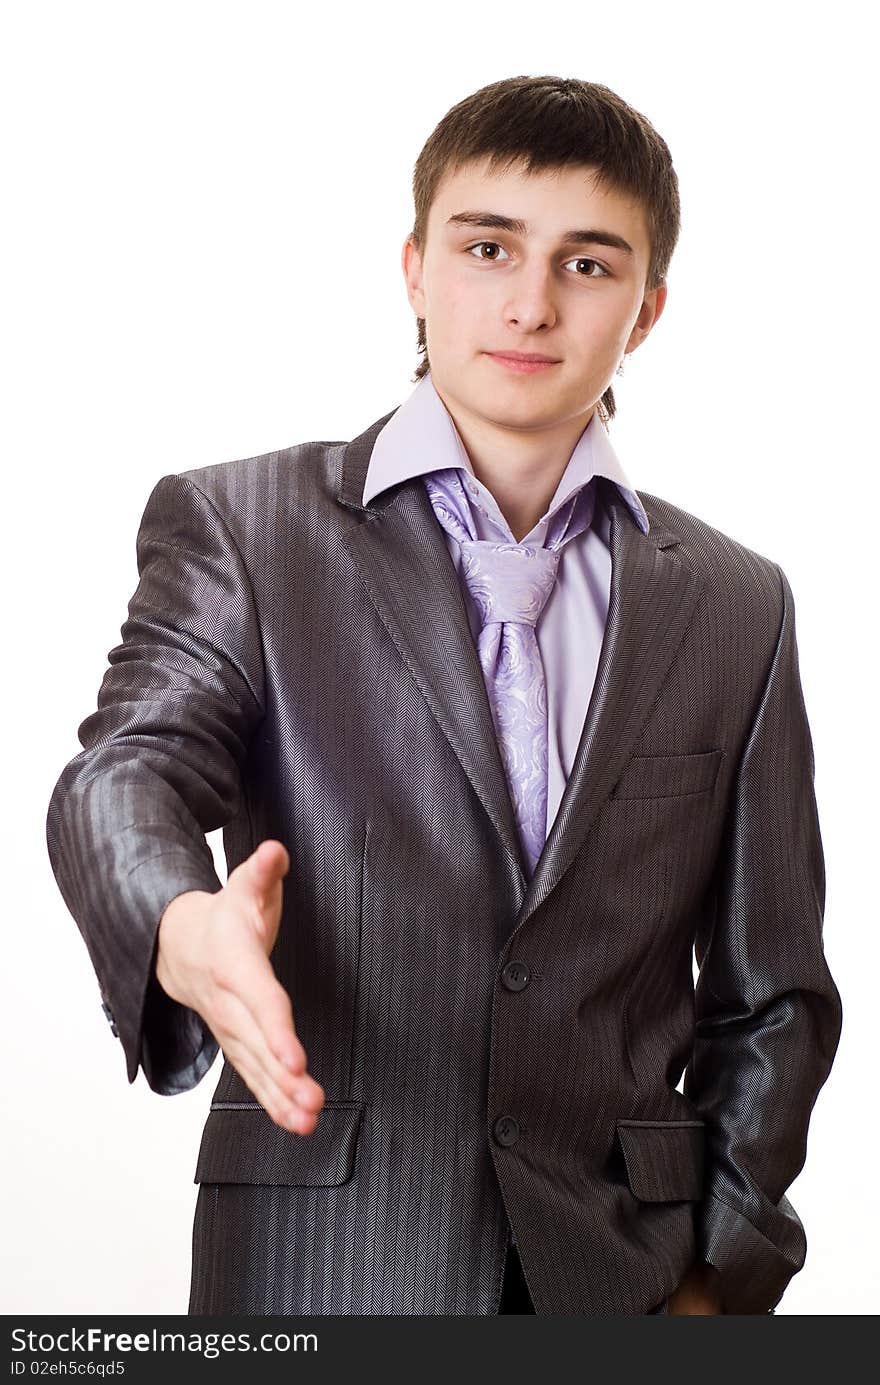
x=495, y=1051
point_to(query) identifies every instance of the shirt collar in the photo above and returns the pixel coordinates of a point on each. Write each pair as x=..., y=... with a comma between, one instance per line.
x=421, y=437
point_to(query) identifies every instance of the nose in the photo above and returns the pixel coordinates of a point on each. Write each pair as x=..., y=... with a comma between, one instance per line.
x=530, y=303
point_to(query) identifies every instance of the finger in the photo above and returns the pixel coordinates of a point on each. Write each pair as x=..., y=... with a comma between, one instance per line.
x=277, y=1090
x=281, y=1110
x=247, y=971
x=271, y=1031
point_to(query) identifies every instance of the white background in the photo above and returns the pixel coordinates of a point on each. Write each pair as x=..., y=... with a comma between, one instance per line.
x=205, y=205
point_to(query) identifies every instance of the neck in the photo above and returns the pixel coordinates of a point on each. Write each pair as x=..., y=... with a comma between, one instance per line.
x=521, y=469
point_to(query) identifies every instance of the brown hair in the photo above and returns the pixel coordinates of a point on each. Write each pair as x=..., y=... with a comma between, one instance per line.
x=549, y=123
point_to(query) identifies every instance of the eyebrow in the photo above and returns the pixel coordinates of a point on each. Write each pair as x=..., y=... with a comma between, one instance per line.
x=495, y=221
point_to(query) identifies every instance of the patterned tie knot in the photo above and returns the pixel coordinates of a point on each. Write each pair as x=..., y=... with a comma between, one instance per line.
x=509, y=582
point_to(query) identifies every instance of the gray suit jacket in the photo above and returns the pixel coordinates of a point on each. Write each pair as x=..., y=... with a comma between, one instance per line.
x=494, y=1050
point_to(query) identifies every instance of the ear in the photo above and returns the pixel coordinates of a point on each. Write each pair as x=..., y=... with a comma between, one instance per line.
x=652, y=306
x=411, y=263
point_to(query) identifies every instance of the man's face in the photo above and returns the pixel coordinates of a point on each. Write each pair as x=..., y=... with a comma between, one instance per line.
x=483, y=288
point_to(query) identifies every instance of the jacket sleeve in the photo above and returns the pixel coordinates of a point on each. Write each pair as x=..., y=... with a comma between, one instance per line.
x=161, y=767
x=768, y=1014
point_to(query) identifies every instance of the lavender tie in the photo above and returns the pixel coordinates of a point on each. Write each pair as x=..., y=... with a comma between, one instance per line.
x=510, y=583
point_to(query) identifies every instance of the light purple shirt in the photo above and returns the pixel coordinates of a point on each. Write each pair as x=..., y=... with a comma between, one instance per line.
x=421, y=437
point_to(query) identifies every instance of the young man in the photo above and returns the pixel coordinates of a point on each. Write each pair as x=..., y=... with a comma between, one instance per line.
x=496, y=742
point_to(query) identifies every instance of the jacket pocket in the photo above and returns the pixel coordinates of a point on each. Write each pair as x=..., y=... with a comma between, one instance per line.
x=242, y=1144
x=664, y=1159
x=668, y=776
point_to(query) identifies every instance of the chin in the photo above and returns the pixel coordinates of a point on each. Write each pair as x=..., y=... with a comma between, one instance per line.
x=522, y=414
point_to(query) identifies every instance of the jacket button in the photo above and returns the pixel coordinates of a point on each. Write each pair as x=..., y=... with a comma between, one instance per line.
x=506, y=1130
x=516, y=976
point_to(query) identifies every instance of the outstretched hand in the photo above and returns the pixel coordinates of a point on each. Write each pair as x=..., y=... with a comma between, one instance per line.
x=213, y=956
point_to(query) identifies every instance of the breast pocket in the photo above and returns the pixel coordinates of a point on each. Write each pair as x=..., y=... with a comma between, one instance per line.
x=669, y=776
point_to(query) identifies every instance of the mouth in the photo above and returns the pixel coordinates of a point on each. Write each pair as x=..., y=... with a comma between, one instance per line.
x=525, y=362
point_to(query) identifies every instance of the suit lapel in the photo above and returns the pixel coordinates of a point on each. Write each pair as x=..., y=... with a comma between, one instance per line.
x=651, y=604
x=404, y=561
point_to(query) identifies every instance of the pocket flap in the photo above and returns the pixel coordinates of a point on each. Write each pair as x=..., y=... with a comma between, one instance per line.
x=664, y=1159
x=242, y=1144
x=668, y=776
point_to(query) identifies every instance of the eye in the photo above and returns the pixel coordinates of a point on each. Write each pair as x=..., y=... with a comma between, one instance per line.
x=478, y=243
x=585, y=259
x=580, y=259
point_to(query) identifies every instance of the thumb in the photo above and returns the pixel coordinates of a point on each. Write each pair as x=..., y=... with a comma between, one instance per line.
x=260, y=877
x=269, y=863
x=260, y=872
